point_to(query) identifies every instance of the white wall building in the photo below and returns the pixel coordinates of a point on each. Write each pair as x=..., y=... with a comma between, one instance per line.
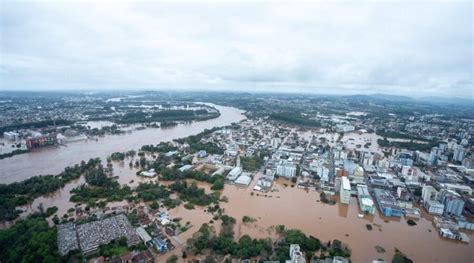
x=286, y=169
x=345, y=192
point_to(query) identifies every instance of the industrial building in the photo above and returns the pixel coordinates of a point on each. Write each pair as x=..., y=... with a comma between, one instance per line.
x=366, y=203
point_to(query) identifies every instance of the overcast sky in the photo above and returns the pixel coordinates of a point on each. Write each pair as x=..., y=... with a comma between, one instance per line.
x=404, y=48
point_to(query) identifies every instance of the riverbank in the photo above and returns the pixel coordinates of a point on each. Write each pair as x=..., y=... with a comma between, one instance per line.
x=53, y=160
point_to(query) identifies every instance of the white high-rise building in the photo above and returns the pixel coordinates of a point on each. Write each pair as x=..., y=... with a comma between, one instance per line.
x=345, y=192
x=286, y=169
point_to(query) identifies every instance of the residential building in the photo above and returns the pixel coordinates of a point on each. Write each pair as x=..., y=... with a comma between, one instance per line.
x=459, y=153
x=286, y=169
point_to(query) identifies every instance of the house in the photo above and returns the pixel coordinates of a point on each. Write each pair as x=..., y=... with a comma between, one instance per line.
x=159, y=244
x=143, y=257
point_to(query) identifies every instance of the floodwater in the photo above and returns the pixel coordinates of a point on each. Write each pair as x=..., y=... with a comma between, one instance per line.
x=53, y=160
x=300, y=209
x=297, y=208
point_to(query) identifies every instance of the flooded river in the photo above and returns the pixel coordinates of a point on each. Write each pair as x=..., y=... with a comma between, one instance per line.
x=292, y=207
x=53, y=160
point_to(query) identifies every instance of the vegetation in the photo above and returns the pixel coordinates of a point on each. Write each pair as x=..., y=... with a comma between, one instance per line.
x=166, y=116
x=246, y=247
x=117, y=156
x=114, y=248
x=399, y=257
x=217, y=181
x=24, y=192
x=397, y=134
x=13, y=153
x=412, y=146
x=251, y=163
x=294, y=118
x=152, y=191
x=193, y=194
x=162, y=147
x=248, y=219
x=37, y=124
x=29, y=240
x=99, y=186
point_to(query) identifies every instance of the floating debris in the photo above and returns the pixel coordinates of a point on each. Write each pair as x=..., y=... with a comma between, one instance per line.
x=369, y=227
x=380, y=249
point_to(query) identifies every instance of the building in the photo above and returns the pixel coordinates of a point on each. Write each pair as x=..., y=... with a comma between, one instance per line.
x=12, y=136
x=387, y=203
x=244, y=179
x=344, y=128
x=41, y=141
x=434, y=207
x=366, y=203
x=296, y=255
x=433, y=159
x=459, y=153
x=453, y=202
x=345, y=190
x=149, y=173
x=286, y=169
x=185, y=167
x=429, y=193
x=143, y=235
x=234, y=173
x=202, y=154
x=159, y=244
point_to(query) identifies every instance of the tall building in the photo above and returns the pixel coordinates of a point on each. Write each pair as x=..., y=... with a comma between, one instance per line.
x=345, y=190
x=433, y=156
x=286, y=169
x=429, y=193
x=453, y=203
x=459, y=153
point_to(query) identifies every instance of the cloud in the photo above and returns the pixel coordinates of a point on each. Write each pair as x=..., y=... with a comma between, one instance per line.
x=419, y=48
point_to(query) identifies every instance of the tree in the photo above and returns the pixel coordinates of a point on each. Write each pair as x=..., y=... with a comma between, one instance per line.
x=29, y=240
x=172, y=259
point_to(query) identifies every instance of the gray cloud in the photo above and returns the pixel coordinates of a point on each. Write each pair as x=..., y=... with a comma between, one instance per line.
x=404, y=48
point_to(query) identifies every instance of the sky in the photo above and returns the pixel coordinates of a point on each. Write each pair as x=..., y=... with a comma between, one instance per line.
x=410, y=48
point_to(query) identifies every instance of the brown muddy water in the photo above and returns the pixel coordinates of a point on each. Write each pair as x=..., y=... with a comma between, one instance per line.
x=53, y=160
x=300, y=209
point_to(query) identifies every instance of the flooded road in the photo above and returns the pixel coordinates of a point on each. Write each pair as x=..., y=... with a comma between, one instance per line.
x=53, y=160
